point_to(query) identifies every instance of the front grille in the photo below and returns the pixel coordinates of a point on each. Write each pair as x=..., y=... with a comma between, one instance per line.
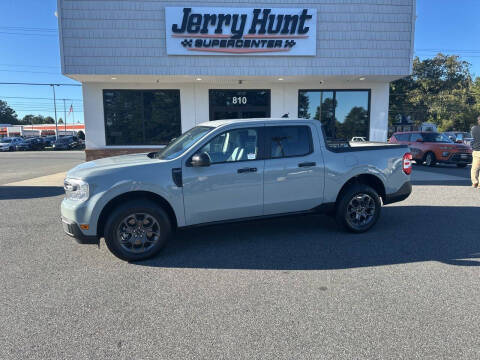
x=461, y=157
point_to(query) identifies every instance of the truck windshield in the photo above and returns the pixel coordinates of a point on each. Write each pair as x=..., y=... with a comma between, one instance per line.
x=181, y=144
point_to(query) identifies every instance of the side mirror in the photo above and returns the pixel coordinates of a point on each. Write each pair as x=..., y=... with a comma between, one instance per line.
x=200, y=160
x=419, y=140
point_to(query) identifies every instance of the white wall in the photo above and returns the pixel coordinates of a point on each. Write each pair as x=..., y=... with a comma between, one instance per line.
x=194, y=103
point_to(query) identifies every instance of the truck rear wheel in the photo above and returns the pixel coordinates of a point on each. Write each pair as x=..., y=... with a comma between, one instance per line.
x=358, y=208
x=137, y=230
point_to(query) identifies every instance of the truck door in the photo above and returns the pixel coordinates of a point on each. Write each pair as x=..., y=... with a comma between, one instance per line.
x=232, y=186
x=294, y=170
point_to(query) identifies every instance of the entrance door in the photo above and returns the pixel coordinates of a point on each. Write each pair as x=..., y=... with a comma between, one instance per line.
x=239, y=104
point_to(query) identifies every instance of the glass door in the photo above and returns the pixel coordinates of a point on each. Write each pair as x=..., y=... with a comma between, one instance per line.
x=239, y=104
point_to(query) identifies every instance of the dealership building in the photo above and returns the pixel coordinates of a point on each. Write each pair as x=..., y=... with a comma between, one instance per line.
x=153, y=69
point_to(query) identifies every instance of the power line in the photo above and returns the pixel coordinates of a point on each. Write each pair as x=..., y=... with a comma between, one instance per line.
x=23, y=34
x=33, y=98
x=38, y=84
x=31, y=72
x=33, y=66
x=27, y=28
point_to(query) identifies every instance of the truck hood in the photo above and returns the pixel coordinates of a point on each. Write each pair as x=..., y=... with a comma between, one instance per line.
x=110, y=164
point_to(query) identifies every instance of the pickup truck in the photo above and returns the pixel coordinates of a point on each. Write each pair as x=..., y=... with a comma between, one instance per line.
x=229, y=170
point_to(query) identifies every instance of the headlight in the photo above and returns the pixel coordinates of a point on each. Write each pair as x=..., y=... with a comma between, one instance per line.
x=76, y=190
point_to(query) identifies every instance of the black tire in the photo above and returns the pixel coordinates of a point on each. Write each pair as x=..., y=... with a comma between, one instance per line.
x=430, y=159
x=461, y=165
x=11, y=148
x=116, y=220
x=343, y=210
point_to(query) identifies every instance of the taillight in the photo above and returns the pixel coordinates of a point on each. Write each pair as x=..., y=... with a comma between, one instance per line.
x=407, y=163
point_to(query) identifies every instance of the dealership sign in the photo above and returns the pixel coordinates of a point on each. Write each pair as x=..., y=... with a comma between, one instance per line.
x=240, y=31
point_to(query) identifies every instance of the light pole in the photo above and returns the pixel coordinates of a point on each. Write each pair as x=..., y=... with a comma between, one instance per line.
x=55, y=106
x=65, y=117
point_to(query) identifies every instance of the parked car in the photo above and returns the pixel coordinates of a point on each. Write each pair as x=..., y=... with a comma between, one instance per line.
x=432, y=147
x=229, y=170
x=460, y=137
x=30, y=144
x=49, y=140
x=358, y=139
x=9, y=144
x=65, y=143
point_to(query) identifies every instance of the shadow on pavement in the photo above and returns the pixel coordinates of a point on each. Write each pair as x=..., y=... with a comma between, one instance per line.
x=404, y=234
x=29, y=192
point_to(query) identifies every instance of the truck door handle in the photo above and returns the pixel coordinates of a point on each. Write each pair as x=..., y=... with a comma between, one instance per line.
x=307, y=164
x=245, y=170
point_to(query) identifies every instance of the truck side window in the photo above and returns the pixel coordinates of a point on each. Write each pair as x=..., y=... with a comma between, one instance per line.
x=288, y=141
x=233, y=145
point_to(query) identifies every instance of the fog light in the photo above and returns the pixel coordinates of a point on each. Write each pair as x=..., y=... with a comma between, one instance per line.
x=445, y=153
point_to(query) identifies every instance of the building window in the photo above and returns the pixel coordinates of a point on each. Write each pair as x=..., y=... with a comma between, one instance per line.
x=239, y=104
x=343, y=113
x=141, y=117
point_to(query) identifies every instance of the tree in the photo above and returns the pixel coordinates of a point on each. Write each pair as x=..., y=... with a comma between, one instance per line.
x=49, y=120
x=32, y=120
x=7, y=114
x=440, y=90
x=60, y=120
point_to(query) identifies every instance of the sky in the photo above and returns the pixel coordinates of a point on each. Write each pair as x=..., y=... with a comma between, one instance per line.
x=29, y=50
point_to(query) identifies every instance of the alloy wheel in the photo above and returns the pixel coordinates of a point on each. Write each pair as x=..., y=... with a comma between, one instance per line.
x=138, y=232
x=360, y=210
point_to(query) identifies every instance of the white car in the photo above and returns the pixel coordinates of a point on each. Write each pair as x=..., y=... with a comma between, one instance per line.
x=9, y=144
x=358, y=139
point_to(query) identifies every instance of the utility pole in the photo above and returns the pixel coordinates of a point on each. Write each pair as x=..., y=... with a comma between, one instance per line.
x=55, y=106
x=65, y=116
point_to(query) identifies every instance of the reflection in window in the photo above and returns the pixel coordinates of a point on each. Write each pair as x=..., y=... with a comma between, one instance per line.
x=287, y=141
x=141, y=117
x=343, y=114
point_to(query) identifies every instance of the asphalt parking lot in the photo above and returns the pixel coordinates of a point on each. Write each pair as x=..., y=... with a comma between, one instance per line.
x=289, y=288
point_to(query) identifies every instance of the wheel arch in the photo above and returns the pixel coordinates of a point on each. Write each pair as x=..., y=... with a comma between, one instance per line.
x=134, y=195
x=367, y=179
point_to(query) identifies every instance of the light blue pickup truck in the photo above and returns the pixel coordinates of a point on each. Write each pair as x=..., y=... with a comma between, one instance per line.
x=231, y=170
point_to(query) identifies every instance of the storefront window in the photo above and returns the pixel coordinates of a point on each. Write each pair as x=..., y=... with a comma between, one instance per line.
x=239, y=104
x=141, y=117
x=343, y=113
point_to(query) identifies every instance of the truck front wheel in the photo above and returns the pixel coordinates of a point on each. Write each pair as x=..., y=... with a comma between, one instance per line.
x=358, y=208
x=137, y=230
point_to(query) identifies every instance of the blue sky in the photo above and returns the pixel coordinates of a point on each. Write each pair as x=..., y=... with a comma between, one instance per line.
x=30, y=52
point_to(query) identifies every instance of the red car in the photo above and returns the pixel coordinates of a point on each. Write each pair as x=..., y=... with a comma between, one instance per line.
x=432, y=147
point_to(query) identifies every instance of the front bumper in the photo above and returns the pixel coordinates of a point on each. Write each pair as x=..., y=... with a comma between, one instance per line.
x=458, y=158
x=72, y=229
x=402, y=193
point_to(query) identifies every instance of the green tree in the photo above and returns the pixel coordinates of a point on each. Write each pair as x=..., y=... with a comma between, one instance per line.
x=7, y=114
x=32, y=120
x=440, y=90
x=60, y=120
x=49, y=120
